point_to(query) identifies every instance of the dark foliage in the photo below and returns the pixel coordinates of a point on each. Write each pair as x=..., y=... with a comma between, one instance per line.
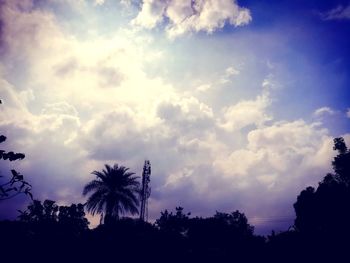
x=214, y=238
x=71, y=217
x=15, y=184
x=177, y=223
x=132, y=240
x=322, y=224
x=326, y=210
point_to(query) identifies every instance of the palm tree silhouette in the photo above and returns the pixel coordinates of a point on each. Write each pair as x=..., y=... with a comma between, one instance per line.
x=114, y=191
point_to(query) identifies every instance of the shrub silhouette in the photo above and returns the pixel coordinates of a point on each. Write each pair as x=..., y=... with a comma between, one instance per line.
x=16, y=185
x=48, y=217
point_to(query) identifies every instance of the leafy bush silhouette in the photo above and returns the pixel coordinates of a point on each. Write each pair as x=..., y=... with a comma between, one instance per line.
x=216, y=238
x=16, y=184
x=176, y=223
x=48, y=215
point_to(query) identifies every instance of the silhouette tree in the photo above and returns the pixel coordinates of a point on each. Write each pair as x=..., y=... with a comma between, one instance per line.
x=236, y=221
x=48, y=213
x=73, y=216
x=40, y=212
x=174, y=223
x=114, y=191
x=341, y=163
x=326, y=210
x=16, y=184
x=222, y=236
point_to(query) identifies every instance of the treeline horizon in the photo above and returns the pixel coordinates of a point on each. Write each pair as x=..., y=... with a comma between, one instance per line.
x=321, y=229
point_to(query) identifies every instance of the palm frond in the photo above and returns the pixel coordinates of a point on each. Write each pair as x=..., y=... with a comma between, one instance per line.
x=93, y=185
x=99, y=175
x=128, y=205
x=96, y=202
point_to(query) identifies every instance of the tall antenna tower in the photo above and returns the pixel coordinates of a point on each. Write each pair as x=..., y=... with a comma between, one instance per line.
x=145, y=191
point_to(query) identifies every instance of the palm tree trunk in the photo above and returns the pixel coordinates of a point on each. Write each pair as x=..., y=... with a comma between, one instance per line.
x=109, y=212
x=117, y=213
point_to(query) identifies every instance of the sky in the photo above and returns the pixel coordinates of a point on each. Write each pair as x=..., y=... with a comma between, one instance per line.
x=235, y=103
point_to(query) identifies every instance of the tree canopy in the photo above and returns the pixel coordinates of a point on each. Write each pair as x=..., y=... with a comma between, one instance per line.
x=326, y=209
x=114, y=191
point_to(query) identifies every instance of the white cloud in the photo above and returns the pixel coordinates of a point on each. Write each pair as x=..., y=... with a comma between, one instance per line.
x=59, y=108
x=8, y=96
x=151, y=13
x=186, y=16
x=348, y=113
x=224, y=78
x=187, y=114
x=204, y=87
x=229, y=73
x=246, y=112
x=323, y=111
x=338, y=13
x=99, y=2
x=280, y=158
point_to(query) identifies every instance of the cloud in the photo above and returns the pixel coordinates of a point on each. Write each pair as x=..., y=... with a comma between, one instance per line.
x=99, y=2
x=348, y=113
x=323, y=111
x=151, y=13
x=274, y=148
x=26, y=26
x=224, y=78
x=229, y=73
x=338, y=13
x=249, y=112
x=117, y=134
x=246, y=112
x=9, y=97
x=280, y=158
x=204, y=87
x=185, y=16
x=187, y=114
x=66, y=68
x=111, y=77
x=59, y=108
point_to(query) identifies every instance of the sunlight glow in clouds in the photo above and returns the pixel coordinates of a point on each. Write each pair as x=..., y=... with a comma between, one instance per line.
x=73, y=103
